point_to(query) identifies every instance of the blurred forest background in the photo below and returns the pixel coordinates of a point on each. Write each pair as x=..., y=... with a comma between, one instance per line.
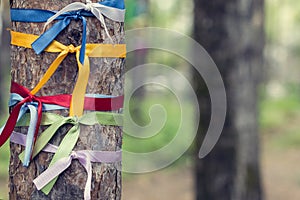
x=279, y=103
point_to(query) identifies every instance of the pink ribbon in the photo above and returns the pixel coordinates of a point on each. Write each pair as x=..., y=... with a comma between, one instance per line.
x=85, y=157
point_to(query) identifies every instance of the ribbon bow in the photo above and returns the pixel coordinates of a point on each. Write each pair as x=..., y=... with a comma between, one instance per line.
x=84, y=157
x=65, y=16
x=92, y=50
x=47, y=37
x=67, y=144
x=96, y=9
x=35, y=116
x=34, y=105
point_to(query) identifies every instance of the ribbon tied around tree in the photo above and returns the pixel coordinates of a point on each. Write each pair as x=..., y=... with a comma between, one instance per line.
x=69, y=141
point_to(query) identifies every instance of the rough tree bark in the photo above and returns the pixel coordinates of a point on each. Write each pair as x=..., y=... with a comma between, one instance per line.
x=232, y=33
x=105, y=78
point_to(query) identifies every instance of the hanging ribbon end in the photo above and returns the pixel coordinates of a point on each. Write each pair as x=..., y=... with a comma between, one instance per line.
x=27, y=158
x=36, y=47
x=81, y=60
x=26, y=163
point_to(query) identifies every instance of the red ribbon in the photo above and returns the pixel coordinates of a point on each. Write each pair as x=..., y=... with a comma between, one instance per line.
x=90, y=103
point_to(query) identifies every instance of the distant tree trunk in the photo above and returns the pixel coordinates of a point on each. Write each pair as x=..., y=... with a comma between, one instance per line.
x=28, y=68
x=1, y=59
x=232, y=33
x=4, y=56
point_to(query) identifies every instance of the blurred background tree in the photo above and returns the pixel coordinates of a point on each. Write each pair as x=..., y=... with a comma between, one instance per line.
x=233, y=34
x=4, y=83
x=4, y=56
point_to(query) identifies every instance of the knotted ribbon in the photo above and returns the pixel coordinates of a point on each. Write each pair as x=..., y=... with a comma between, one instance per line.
x=95, y=8
x=64, y=17
x=67, y=144
x=34, y=117
x=93, y=102
x=47, y=37
x=29, y=101
x=19, y=93
x=85, y=158
x=92, y=50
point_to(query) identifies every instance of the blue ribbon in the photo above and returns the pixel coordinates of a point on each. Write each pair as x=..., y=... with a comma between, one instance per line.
x=30, y=134
x=38, y=15
x=30, y=15
x=114, y=3
x=47, y=37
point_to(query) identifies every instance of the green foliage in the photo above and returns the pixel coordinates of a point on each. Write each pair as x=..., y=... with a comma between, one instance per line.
x=4, y=161
x=282, y=20
x=4, y=158
x=275, y=112
x=290, y=139
x=279, y=120
x=169, y=130
x=4, y=164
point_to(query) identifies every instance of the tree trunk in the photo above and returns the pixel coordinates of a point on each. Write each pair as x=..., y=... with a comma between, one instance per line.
x=105, y=78
x=232, y=33
x=4, y=56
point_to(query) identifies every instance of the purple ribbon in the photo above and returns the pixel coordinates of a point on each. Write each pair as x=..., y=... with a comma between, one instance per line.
x=85, y=158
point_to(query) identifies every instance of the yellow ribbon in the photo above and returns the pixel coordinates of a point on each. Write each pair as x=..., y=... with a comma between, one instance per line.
x=92, y=50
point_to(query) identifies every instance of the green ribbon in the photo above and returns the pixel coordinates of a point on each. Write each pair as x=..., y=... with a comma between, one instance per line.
x=70, y=139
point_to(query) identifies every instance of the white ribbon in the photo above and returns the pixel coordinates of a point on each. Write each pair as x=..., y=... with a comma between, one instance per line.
x=85, y=158
x=61, y=165
x=98, y=10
